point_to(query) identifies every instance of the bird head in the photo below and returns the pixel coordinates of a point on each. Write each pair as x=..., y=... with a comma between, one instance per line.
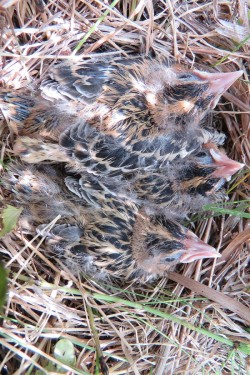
x=180, y=97
x=206, y=171
x=157, y=247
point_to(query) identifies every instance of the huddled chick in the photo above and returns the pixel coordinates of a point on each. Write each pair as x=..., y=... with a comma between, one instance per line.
x=113, y=239
x=133, y=98
x=173, y=191
x=179, y=187
x=126, y=143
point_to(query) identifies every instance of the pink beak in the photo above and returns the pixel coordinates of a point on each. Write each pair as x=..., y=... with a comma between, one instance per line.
x=197, y=249
x=218, y=83
x=225, y=167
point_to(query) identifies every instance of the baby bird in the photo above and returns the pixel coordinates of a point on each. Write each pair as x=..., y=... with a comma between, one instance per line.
x=188, y=185
x=145, y=95
x=134, y=103
x=93, y=128
x=125, y=137
x=116, y=241
x=172, y=189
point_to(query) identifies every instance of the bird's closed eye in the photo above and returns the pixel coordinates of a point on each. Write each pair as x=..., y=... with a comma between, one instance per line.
x=201, y=154
x=188, y=77
x=169, y=259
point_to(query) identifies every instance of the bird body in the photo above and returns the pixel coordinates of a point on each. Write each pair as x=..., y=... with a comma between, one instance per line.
x=172, y=189
x=116, y=118
x=125, y=145
x=114, y=239
x=133, y=98
x=141, y=96
x=103, y=120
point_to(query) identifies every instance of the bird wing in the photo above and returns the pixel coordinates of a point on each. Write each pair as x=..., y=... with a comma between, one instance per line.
x=84, y=81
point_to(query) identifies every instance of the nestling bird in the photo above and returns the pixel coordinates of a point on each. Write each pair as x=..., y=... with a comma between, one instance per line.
x=126, y=135
x=134, y=102
x=172, y=189
x=118, y=121
x=117, y=117
x=138, y=95
x=117, y=241
x=186, y=186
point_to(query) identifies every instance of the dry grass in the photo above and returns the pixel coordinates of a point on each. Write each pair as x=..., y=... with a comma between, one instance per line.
x=197, y=321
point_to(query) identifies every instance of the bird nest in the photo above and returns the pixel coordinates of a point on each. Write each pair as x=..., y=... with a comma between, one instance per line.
x=194, y=322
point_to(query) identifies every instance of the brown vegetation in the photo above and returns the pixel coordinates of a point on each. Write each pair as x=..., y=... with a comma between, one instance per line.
x=196, y=321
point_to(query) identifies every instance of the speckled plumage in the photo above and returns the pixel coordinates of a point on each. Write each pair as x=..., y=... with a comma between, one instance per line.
x=113, y=119
x=154, y=95
x=161, y=168
x=113, y=239
x=127, y=100
x=170, y=188
x=126, y=145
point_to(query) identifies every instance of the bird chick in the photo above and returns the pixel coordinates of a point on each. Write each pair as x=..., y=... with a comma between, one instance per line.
x=149, y=96
x=127, y=99
x=186, y=186
x=172, y=189
x=92, y=127
x=116, y=241
x=83, y=147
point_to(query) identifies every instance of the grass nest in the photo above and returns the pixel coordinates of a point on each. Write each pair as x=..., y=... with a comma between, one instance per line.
x=197, y=320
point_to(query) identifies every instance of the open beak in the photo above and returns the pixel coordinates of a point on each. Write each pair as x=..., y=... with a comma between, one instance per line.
x=218, y=83
x=225, y=167
x=197, y=249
